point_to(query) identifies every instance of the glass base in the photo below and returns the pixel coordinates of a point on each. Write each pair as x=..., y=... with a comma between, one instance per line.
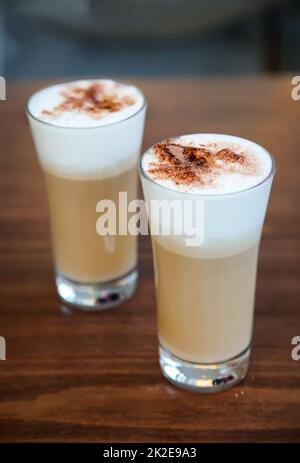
x=204, y=377
x=96, y=296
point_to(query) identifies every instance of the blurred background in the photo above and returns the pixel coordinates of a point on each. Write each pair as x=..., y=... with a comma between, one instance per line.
x=54, y=38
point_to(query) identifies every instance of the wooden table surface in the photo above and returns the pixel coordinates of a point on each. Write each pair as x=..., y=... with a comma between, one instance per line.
x=74, y=376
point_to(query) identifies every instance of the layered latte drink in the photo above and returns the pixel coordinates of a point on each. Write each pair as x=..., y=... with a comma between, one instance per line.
x=205, y=290
x=88, y=135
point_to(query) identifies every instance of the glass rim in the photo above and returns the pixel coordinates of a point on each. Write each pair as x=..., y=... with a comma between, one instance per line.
x=269, y=177
x=63, y=127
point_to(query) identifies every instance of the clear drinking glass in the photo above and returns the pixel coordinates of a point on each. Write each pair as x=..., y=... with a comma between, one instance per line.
x=205, y=295
x=93, y=272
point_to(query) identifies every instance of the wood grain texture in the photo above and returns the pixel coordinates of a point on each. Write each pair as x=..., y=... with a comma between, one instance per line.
x=72, y=376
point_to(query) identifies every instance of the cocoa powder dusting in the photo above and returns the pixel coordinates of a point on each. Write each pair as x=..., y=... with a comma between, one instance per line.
x=189, y=164
x=93, y=100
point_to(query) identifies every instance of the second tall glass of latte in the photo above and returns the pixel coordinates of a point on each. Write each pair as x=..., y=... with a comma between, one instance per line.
x=213, y=190
x=88, y=136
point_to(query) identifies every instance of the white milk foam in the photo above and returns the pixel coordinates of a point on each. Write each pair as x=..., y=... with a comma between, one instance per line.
x=77, y=146
x=47, y=99
x=221, y=181
x=233, y=222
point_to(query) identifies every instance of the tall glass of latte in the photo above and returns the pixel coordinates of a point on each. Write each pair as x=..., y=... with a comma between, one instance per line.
x=205, y=287
x=87, y=136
